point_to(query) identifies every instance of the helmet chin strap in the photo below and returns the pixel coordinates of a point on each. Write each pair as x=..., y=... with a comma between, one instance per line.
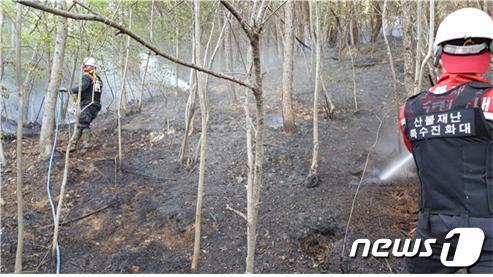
x=438, y=55
x=439, y=52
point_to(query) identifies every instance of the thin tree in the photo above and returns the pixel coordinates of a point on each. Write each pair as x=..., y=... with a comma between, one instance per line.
x=151, y=27
x=312, y=179
x=376, y=19
x=407, y=26
x=228, y=55
x=1, y=44
x=395, y=92
x=23, y=88
x=177, y=49
x=70, y=143
x=203, y=135
x=353, y=23
x=253, y=30
x=2, y=157
x=202, y=84
x=123, y=96
x=20, y=120
x=353, y=70
x=418, y=43
x=287, y=75
x=184, y=156
x=389, y=54
x=431, y=32
x=46, y=135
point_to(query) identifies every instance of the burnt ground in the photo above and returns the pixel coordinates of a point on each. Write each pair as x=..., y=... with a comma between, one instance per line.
x=147, y=226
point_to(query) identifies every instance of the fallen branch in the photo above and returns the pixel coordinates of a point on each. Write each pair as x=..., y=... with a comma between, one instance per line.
x=82, y=216
x=103, y=175
x=88, y=214
x=126, y=170
x=43, y=261
x=242, y=215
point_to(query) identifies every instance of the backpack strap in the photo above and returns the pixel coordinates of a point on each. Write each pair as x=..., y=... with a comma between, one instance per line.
x=89, y=75
x=480, y=85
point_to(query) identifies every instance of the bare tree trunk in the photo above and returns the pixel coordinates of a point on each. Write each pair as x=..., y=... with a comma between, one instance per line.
x=418, y=43
x=2, y=155
x=177, y=50
x=20, y=120
x=72, y=77
x=329, y=103
x=389, y=53
x=259, y=156
x=65, y=175
x=254, y=184
x=1, y=43
x=252, y=216
x=124, y=97
x=407, y=26
x=353, y=70
x=312, y=37
x=342, y=30
x=376, y=20
x=190, y=106
x=22, y=88
x=307, y=20
x=430, y=46
x=287, y=76
x=71, y=141
x=395, y=92
x=141, y=93
x=228, y=56
x=203, y=137
x=279, y=40
x=46, y=135
x=189, y=111
x=313, y=176
x=2, y=101
x=141, y=96
x=353, y=24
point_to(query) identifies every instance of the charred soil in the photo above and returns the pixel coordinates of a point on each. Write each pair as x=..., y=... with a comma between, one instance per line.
x=145, y=211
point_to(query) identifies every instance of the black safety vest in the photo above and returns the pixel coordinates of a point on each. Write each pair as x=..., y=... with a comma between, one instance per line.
x=453, y=151
x=96, y=87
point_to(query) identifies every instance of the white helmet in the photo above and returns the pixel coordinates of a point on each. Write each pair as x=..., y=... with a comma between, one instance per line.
x=464, y=23
x=90, y=61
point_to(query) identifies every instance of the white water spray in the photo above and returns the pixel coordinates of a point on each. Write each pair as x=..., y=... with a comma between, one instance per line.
x=393, y=168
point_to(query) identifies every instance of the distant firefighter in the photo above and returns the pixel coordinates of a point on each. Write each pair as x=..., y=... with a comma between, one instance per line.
x=449, y=130
x=90, y=103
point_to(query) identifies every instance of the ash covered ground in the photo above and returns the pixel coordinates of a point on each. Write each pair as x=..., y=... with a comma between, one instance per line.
x=147, y=225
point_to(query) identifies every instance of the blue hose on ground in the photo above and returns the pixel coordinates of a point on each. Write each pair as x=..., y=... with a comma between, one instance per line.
x=52, y=157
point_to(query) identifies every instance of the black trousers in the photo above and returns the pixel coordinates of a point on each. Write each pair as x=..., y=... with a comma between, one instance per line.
x=432, y=264
x=88, y=114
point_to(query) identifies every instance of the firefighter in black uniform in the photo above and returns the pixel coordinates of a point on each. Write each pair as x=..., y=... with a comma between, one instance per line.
x=449, y=130
x=90, y=102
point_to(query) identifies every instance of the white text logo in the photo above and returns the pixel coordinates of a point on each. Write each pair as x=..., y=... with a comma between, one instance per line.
x=467, y=251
